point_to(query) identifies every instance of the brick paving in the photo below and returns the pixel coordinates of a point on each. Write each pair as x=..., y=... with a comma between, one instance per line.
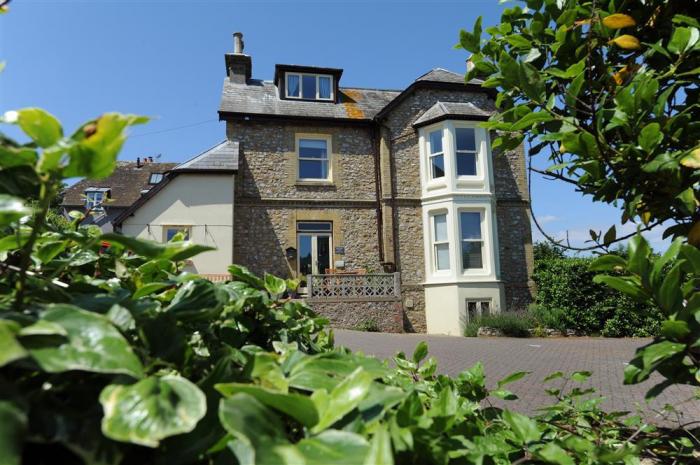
x=605, y=358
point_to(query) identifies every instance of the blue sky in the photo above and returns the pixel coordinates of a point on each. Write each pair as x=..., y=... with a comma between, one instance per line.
x=80, y=58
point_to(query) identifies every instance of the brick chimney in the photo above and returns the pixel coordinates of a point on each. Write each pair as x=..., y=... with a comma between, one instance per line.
x=239, y=66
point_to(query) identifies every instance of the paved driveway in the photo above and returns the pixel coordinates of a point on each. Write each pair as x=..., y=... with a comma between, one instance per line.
x=606, y=358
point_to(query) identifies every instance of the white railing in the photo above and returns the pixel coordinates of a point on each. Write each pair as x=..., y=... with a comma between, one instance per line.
x=354, y=287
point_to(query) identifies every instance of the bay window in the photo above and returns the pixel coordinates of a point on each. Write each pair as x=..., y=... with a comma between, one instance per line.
x=471, y=240
x=441, y=245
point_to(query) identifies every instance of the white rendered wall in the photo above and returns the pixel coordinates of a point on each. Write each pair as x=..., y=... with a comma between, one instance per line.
x=204, y=202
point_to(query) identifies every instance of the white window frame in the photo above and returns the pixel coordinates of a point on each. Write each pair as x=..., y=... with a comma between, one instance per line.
x=477, y=144
x=301, y=92
x=329, y=156
x=462, y=239
x=91, y=203
x=435, y=242
x=432, y=155
x=479, y=308
x=178, y=228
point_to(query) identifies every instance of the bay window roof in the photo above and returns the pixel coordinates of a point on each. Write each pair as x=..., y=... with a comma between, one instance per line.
x=452, y=110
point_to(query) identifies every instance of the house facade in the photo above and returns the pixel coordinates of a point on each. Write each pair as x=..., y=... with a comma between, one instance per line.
x=390, y=204
x=340, y=178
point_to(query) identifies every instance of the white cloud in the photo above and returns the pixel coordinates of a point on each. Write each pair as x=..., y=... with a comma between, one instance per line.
x=544, y=219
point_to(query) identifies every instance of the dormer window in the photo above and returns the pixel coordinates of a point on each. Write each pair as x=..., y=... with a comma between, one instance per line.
x=309, y=86
x=95, y=197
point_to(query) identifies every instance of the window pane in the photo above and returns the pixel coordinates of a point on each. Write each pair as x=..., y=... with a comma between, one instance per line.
x=471, y=255
x=466, y=164
x=170, y=233
x=324, y=87
x=436, y=141
x=155, y=178
x=314, y=226
x=437, y=164
x=472, y=314
x=470, y=225
x=485, y=308
x=305, y=255
x=442, y=256
x=466, y=139
x=313, y=148
x=308, y=86
x=440, y=222
x=293, y=85
x=313, y=169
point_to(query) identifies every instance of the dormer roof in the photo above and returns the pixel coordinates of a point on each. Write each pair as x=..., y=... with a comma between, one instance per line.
x=451, y=110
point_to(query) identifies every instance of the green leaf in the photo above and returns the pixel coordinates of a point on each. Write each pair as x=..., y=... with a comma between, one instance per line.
x=580, y=376
x=13, y=426
x=260, y=435
x=151, y=410
x=333, y=447
x=175, y=251
x=380, y=452
x=675, y=330
x=610, y=235
x=648, y=358
x=197, y=300
x=552, y=453
x=669, y=295
x=680, y=40
x=421, y=352
x=511, y=378
x=553, y=376
x=345, y=397
x=274, y=285
x=41, y=126
x=650, y=136
x=608, y=262
x=12, y=209
x=659, y=266
x=525, y=429
x=623, y=284
x=148, y=289
x=241, y=273
x=532, y=119
x=299, y=407
x=94, y=153
x=10, y=348
x=92, y=344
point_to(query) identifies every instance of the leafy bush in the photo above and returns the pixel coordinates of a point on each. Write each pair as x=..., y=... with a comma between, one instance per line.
x=511, y=324
x=550, y=318
x=565, y=287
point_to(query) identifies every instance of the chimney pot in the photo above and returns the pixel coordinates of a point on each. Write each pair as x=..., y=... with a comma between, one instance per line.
x=138, y=162
x=238, y=43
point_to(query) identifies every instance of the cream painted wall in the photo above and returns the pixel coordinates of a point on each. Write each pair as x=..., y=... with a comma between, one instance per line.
x=202, y=201
x=446, y=304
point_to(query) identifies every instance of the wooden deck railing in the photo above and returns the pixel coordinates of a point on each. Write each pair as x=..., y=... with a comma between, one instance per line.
x=354, y=287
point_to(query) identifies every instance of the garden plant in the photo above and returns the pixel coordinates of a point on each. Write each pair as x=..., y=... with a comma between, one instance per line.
x=110, y=353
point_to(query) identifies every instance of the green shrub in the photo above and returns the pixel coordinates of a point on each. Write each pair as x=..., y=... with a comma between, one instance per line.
x=511, y=324
x=370, y=326
x=567, y=293
x=550, y=318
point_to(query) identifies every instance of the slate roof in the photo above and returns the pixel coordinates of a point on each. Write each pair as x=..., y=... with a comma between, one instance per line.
x=125, y=184
x=443, y=110
x=444, y=75
x=262, y=98
x=221, y=157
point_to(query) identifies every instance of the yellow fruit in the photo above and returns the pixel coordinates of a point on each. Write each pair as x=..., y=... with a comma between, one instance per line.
x=694, y=235
x=618, y=21
x=627, y=42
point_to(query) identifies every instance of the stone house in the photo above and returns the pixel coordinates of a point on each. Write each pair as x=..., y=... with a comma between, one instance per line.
x=389, y=203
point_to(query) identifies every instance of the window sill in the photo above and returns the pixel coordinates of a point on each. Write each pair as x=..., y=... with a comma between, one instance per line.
x=314, y=182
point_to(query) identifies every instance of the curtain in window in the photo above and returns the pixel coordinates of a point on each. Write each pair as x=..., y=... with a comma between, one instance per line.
x=324, y=87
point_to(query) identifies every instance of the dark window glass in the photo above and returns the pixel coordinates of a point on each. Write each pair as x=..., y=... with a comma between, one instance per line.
x=312, y=148
x=170, y=233
x=470, y=225
x=305, y=258
x=324, y=87
x=436, y=141
x=313, y=169
x=466, y=164
x=312, y=226
x=471, y=255
x=308, y=86
x=293, y=85
x=437, y=163
x=466, y=139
